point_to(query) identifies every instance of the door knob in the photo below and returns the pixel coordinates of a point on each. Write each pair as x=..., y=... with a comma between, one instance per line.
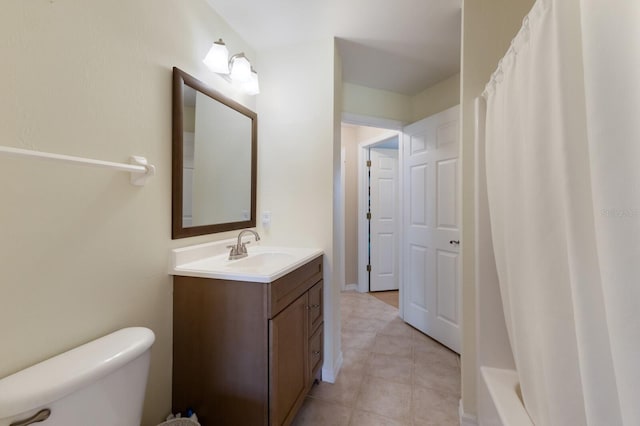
x=454, y=242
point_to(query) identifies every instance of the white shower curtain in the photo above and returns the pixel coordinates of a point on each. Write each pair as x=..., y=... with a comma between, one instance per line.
x=563, y=181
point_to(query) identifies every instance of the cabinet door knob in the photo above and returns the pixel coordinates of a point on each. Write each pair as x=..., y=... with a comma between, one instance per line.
x=316, y=353
x=454, y=242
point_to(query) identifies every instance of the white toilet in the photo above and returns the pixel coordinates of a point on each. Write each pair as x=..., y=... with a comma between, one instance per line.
x=101, y=383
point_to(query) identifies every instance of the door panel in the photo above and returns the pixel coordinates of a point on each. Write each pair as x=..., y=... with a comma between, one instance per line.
x=431, y=287
x=386, y=191
x=415, y=290
x=446, y=273
x=385, y=261
x=446, y=202
x=447, y=133
x=417, y=144
x=418, y=186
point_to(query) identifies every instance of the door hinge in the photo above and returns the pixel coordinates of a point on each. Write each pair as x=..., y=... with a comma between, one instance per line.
x=368, y=163
x=368, y=215
x=368, y=268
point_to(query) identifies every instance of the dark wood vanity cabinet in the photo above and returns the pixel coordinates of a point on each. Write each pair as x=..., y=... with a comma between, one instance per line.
x=247, y=353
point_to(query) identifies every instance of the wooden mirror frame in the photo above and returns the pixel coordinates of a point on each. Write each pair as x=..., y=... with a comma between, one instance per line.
x=177, y=230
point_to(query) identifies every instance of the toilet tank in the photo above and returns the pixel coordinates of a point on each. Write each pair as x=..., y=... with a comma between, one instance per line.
x=101, y=383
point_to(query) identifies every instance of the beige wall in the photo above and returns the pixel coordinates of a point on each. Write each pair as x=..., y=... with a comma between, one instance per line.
x=487, y=30
x=367, y=133
x=83, y=252
x=369, y=102
x=332, y=327
x=350, y=145
x=437, y=98
x=296, y=159
x=364, y=101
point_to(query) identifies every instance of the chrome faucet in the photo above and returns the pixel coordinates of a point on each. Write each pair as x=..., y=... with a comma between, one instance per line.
x=239, y=250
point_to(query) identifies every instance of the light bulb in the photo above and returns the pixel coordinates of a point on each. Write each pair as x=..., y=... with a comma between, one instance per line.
x=251, y=87
x=240, y=68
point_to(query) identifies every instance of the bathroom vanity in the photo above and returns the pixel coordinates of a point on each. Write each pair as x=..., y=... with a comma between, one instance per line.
x=248, y=339
x=247, y=323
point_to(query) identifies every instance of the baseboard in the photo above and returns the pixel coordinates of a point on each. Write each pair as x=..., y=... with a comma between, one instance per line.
x=351, y=287
x=330, y=375
x=466, y=419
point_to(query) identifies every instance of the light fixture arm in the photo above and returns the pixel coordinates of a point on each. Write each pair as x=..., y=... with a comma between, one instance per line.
x=236, y=56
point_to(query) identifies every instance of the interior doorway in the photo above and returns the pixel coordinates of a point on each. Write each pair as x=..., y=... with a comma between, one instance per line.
x=427, y=257
x=375, y=190
x=431, y=287
x=379, y=198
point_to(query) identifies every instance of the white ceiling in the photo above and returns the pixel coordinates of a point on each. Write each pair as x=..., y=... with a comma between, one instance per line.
x=403, y=46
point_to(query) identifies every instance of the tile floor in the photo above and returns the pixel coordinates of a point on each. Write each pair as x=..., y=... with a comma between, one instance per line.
x=388, y=297
x=392, y=374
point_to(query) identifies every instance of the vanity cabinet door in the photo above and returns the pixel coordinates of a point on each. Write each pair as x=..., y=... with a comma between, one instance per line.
x=289, y=349
x=316, y=344
x=315, y=308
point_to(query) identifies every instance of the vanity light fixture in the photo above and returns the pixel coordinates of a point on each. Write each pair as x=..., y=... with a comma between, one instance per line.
x=236, y=69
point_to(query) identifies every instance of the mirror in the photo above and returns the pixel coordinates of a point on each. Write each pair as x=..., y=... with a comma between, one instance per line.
x=214, y=160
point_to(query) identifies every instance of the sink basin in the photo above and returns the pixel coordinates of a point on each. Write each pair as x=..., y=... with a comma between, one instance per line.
x=263, y=264
x=258, y=261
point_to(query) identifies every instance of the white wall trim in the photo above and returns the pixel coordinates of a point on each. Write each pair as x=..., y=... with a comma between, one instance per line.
x=363, y=281
x=351, y=287
x=342, y=241
x=330, y=375
x=365, y=120
x=401, y=224
x=466, y=419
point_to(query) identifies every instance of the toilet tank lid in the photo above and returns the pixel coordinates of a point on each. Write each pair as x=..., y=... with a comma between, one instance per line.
x=63, y=374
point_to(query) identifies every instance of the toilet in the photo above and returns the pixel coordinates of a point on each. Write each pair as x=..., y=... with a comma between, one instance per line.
x=101, y=383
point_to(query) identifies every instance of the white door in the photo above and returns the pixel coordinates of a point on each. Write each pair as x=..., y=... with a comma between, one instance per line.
x=432, y=213
x=384, y=219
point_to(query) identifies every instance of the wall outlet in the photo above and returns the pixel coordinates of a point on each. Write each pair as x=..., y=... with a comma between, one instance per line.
x=266, y=219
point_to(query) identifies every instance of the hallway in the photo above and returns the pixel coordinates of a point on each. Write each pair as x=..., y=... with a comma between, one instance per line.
x=389, y=297
x=392, y=374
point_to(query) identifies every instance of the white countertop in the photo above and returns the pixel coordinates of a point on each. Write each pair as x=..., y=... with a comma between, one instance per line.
x=263, y=264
